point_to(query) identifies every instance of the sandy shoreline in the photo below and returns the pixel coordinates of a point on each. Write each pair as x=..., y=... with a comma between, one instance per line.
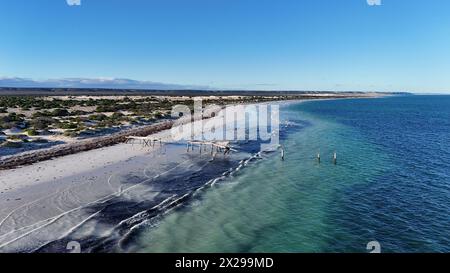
x=68, y=196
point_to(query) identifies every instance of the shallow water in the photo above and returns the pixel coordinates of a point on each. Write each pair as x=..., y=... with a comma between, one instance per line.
x=391, y=184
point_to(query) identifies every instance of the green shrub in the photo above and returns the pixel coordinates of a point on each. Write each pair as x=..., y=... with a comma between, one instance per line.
x=78, y=113
x=40, y=140
x=14, y=137
x=8, y=125
x=12, y=117
x=104, y=108
x=70, y=133
x=60, y=113
x=106, y=123
x=41, y=123
x=67, y=125
x=41, y=114
x=32, y=132
x=10, y=144
x=98, y=117
x=117, y=115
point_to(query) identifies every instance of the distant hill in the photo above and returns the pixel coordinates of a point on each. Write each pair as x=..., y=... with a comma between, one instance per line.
x=165, y=92
x=96, y=83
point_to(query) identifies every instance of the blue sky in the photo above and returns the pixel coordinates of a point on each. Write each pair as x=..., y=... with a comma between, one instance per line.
x=402, y=45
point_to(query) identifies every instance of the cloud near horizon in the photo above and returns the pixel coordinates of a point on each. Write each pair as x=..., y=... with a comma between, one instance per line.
x=109, y=83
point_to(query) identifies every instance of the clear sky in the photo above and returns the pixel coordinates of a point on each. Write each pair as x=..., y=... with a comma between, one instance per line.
x=402, y=45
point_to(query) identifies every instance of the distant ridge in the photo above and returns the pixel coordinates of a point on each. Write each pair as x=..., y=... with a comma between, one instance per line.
x=102, y=83
x=11, y=91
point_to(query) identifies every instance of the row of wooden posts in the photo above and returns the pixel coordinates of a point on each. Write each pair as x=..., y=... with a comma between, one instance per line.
x=334, y=158
x=204, y=148
x=318, y=156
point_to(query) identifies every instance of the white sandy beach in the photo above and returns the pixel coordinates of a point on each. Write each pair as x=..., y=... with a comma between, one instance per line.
x=49, y=200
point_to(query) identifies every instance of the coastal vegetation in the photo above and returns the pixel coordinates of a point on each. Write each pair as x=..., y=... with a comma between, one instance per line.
x=75, y=115
x=29, y=120
x=72, y=116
